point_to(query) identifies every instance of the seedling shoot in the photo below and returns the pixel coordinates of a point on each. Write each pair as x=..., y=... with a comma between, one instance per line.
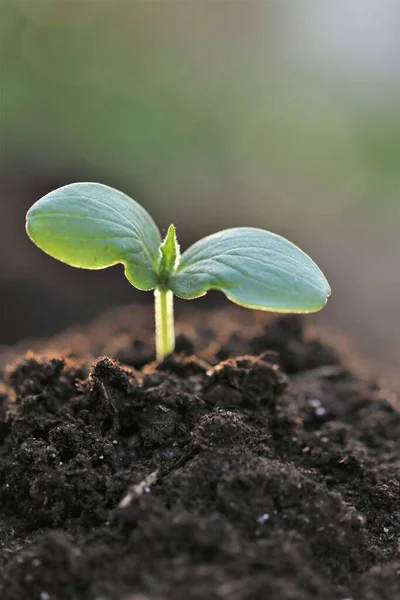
x=93, y=226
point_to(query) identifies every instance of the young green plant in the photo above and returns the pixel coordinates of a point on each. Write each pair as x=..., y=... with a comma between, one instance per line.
x=93, y=226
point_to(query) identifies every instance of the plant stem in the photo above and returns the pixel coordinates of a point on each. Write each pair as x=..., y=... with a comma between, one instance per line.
x=165, y=333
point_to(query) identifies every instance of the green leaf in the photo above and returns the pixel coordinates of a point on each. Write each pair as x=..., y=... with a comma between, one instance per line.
x=94, y=226
x=169, y=254
x=253, y=268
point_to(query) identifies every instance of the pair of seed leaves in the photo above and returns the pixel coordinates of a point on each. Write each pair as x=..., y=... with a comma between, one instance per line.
x=93, y=226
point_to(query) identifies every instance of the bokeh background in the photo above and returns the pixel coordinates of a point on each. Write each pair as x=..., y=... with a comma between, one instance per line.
x=280, y=114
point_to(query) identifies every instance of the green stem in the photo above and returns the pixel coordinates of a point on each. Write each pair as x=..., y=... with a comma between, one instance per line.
x=165, y=333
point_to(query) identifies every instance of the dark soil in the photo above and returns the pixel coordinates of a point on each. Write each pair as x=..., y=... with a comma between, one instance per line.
x=253, y=464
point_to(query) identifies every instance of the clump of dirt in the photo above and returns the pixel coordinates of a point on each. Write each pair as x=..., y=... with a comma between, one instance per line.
x=251, y=464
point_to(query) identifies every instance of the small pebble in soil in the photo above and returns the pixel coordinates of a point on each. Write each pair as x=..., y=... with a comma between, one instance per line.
x=263, y=518
x=320, y=411
x=44, y=596
x=314, y=402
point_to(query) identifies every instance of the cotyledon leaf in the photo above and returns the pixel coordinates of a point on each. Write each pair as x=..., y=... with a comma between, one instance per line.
x=253, y=268
x=93, y=226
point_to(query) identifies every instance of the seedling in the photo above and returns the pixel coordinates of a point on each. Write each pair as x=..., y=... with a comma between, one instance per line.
x=93, y=226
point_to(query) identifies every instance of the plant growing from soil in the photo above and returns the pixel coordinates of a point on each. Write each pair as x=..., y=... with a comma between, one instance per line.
x=93, y=226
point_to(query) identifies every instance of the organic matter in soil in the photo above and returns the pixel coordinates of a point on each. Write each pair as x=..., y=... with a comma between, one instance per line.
x=252, y=464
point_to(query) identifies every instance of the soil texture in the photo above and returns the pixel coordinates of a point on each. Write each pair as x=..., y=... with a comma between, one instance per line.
x=252, y=464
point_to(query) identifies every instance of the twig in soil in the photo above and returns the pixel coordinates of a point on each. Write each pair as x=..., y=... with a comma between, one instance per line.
x=138, y=489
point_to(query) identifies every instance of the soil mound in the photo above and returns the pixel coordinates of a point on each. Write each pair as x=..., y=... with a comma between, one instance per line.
x=252, y=464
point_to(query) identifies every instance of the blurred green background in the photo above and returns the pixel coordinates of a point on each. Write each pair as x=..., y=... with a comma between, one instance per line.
x=279, y=114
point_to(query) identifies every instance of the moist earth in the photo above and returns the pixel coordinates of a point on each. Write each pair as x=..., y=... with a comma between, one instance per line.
x=252, y=464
